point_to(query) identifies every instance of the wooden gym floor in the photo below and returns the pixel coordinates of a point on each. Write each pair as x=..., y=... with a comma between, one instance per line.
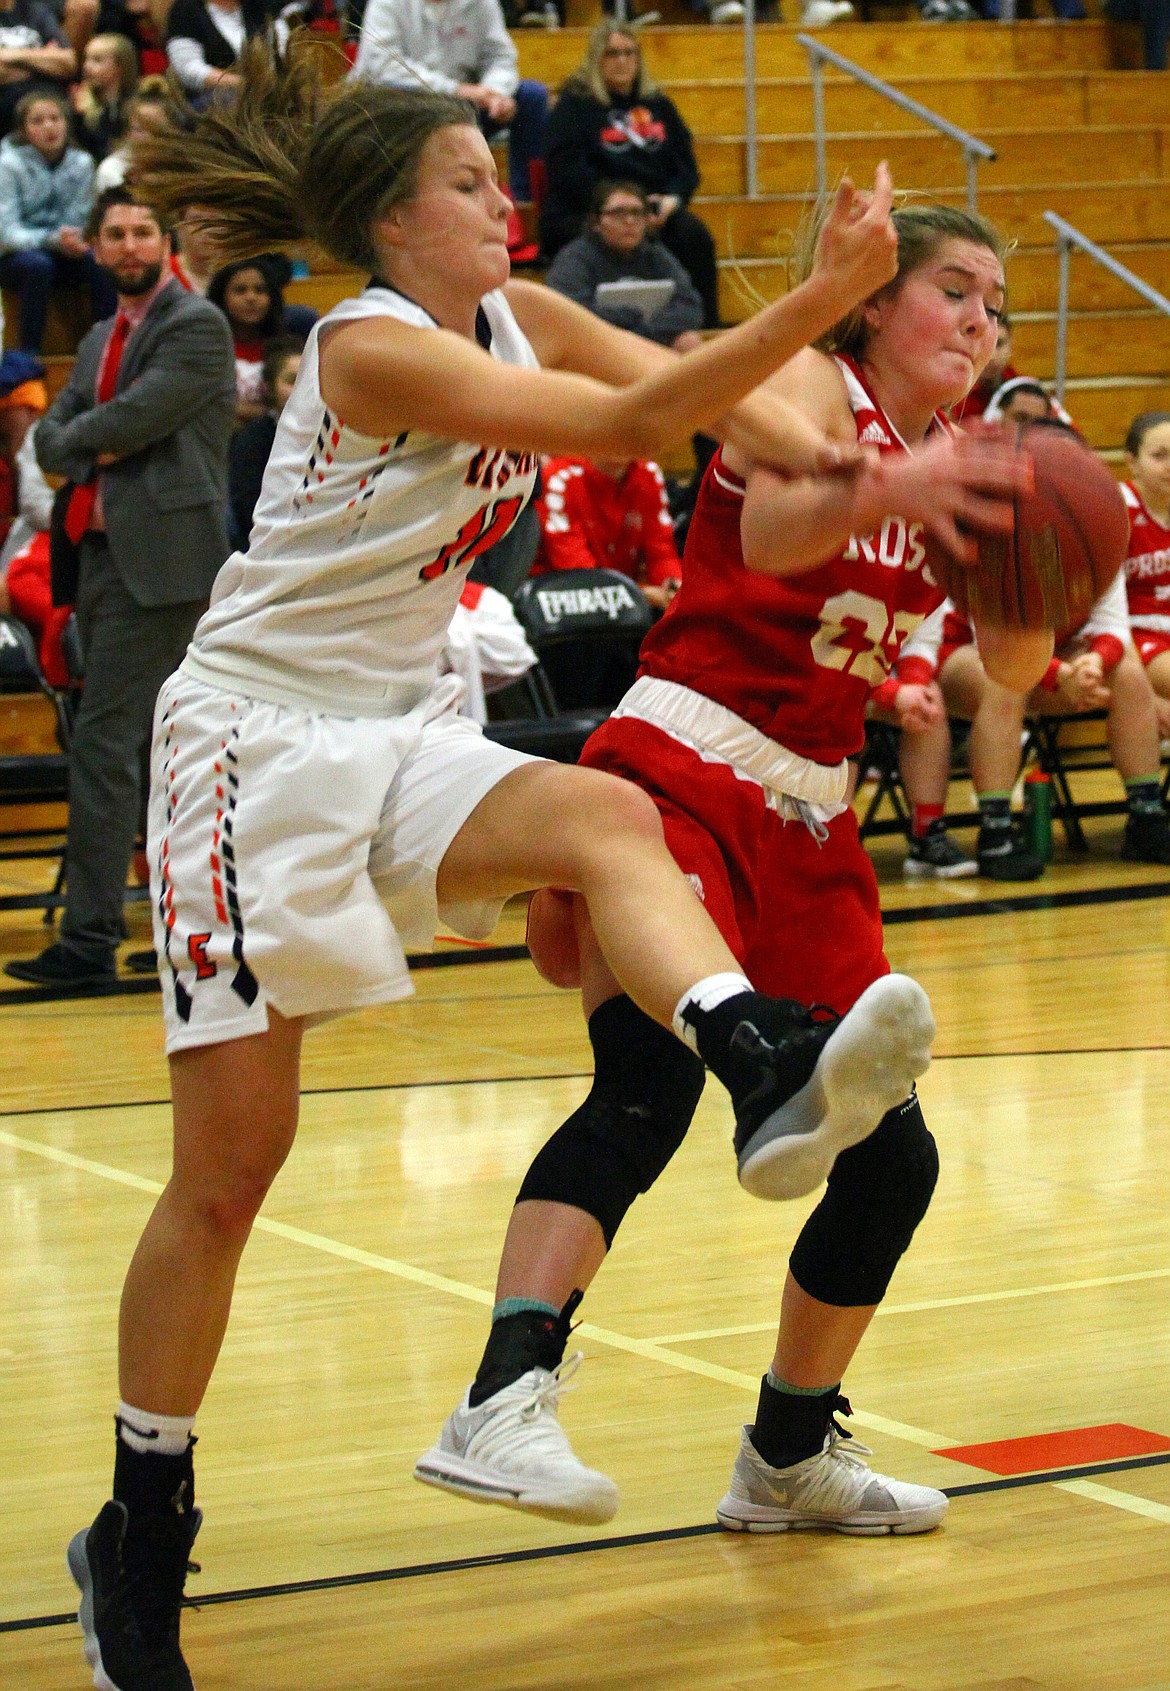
x=1033, y=1304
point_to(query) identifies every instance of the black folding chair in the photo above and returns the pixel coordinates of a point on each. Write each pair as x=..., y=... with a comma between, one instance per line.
x=585, y=627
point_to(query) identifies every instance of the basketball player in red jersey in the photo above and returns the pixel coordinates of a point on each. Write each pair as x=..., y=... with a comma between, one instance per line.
x=1147, y=563
x=748, y=706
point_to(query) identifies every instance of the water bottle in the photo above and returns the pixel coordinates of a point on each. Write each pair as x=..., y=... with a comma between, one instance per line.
x=1038, y=813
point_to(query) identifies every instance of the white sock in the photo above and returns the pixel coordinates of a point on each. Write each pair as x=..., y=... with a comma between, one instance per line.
x=161, y=1435
x=705, y=995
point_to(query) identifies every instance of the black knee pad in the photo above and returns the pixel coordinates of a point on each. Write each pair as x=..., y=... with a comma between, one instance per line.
x=646, y=1088
x=877, y=1194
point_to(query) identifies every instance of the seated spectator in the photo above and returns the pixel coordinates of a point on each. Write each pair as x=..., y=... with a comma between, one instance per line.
x=23, y=398
x=911, y=700
x=1147, y=564
x=458, y=47
x=109, y=77
x=609, y=515
x=46, y=190
x=152, y=107
x=615, y=248
x=253, y=443
x=1024, y=400
x=611, y=123
x=34, y=54
x=1095, y=667
x=204, y=38
x=245, y=293
x=998, y=370
x=485, y=646
x=144, y=23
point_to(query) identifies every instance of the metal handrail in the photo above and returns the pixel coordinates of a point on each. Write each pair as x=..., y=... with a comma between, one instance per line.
x=1068, y=237
x=973, y=148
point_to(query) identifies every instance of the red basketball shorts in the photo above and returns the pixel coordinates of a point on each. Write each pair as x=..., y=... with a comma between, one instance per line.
x=801, y=917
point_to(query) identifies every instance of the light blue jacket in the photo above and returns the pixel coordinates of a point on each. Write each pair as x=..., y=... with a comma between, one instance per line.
x=37, y=199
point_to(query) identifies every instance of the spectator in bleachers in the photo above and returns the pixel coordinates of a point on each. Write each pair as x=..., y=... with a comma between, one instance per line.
x=1147, y=564
x=46, y=191
x=253, y=306
x=616, y=248
x=252, y=444
x=1094, y=667
x=204, y=38
x=911, y=701
x=612, y=123
x=458, y=47
x=34, y=53
x=109, y=77
x=1025, y=400
x=153, y=106
x=142, y=22
x=999, y=370
x=27, y=579
x=609, y=515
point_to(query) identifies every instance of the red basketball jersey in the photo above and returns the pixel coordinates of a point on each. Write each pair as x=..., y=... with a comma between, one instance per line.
x=1147, y=564
x=796, y=657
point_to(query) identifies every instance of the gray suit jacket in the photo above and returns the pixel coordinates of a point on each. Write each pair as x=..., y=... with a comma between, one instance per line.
x=170, y=423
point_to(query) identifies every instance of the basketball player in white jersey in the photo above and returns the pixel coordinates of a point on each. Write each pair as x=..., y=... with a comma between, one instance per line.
x=316, y=802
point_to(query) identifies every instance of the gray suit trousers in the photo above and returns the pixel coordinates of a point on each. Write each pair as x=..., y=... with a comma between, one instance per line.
x=128, y=653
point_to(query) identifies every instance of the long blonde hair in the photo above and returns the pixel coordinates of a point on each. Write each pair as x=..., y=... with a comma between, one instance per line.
x=290, y=160
x=126, y=59
x=588, y=79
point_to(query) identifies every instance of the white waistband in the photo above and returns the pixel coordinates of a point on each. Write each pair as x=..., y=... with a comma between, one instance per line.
x=277, y=685
x=1158, y=624
x=715, y=732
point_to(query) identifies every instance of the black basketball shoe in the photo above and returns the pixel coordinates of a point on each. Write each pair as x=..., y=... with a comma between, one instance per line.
x=1147, y=837
x=131, y=1575
x=813, y=1083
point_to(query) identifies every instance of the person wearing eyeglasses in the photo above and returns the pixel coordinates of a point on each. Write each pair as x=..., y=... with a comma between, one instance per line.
x=612, y=123
x=602, y=268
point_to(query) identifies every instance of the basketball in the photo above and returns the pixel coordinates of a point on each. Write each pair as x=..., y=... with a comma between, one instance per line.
x=1070, y=538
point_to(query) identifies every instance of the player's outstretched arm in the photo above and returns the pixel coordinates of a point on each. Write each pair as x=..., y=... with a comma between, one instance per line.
x=387, y=377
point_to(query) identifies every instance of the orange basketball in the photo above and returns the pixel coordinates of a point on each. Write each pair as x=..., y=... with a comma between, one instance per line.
x=1070, y=537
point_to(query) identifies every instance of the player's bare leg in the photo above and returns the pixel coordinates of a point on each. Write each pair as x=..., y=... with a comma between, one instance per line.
x=1135, y=747
x=235, y=1109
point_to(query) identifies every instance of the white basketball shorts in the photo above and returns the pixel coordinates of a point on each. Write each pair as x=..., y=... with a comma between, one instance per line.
x=293, y=854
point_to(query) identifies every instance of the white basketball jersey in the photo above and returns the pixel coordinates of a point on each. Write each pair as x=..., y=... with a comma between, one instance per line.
x=360, y=547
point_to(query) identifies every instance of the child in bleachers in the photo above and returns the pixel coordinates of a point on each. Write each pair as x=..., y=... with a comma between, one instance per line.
x=613, y=515
x=46, y=189
x=1147, y=566
x=252, y=304
x=911, y=700
x=1094, y=667
x=253, y=443
x=109, y=78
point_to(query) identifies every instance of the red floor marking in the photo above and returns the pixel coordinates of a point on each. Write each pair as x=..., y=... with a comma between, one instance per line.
x=1058, y=1450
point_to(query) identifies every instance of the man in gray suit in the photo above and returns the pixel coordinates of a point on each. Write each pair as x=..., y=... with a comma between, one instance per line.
x=142, y=427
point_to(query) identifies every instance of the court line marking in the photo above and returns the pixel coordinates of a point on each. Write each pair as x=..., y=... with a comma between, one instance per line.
x=933, y=1303
x=646, y=1350
x=504, y=1558
x=1118, y=1499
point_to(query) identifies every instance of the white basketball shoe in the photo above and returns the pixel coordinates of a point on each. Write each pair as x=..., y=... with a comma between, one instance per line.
x=835, y=1489
x=511, y=1449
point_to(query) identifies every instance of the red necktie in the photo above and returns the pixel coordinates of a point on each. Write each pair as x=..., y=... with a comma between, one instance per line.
x=79, y=511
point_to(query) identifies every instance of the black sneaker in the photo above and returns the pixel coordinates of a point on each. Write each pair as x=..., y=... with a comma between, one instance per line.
x=1147, y=837
x=935, y=856
x=1003, y=855
x=817, y=1082
x=67, y=970
x=131, y=1584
